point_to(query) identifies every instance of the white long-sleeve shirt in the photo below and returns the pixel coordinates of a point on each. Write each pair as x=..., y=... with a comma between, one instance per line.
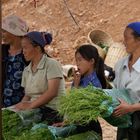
x=124, y=78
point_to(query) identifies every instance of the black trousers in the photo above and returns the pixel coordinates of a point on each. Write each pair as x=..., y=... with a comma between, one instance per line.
x=92, y=126
x=50, y=115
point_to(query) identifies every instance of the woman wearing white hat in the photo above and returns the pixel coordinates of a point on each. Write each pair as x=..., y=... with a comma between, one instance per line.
x=13, y=62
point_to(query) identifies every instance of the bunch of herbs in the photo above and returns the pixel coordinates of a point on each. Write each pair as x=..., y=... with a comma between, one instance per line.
x=83, y=105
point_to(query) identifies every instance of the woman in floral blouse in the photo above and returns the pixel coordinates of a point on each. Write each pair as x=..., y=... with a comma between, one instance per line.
x=13, y=62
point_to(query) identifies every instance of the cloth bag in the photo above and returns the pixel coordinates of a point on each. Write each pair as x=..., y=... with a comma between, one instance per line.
x=125, y=120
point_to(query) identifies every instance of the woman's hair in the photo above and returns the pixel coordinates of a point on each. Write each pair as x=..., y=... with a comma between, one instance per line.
x=89, y=52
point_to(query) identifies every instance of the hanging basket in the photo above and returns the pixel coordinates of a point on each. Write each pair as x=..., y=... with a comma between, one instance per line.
x=115, y=52
x=101, y=40
x=84, y=40
x=100, y=37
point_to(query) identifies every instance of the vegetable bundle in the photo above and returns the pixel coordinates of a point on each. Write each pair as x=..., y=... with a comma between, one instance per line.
x=83, y=105
x=13, y=128
x=39, y=134
x=89, y=135
x=11, y=124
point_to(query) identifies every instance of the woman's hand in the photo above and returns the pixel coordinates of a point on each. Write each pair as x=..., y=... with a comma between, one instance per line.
x=122, y=109
x=59, y=124
x=77, y=77
x=23, y=106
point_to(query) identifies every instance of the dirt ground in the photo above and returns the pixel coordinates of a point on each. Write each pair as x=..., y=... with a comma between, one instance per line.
x=109, y=132
x=52, y=15
x=68, y=20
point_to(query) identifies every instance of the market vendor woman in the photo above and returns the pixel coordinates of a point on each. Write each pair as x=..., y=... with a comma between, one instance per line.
x=43, y=79
x=127, y=72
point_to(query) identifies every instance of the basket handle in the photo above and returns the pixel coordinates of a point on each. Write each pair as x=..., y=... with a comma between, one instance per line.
x=80, y=39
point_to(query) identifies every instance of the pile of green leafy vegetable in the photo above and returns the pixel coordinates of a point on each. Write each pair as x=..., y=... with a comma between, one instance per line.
x=13, y=128
x=83, y=105
x=38, y=134
x=89, y=135
x=11, y=124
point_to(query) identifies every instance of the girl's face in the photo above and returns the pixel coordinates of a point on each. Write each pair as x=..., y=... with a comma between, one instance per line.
x=28, y=49
x=84, y=67
x=131, y=43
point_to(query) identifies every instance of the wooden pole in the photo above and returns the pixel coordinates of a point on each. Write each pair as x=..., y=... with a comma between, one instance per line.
x=0, y=76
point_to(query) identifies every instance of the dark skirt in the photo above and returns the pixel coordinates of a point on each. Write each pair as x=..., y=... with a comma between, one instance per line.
x=133, y=132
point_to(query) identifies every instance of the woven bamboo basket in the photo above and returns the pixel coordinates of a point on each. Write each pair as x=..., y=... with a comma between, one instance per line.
x=98, y=36
x=115, y=52
x=84, y=40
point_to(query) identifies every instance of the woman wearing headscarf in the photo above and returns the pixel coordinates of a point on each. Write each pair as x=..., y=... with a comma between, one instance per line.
x=13, y=62
x=42, y=79
x=127, y=75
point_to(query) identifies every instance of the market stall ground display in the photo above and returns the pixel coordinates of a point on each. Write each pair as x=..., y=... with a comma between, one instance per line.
x=17, y=128
x=79, y=106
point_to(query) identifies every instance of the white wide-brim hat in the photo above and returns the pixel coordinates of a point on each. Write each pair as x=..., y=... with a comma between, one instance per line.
x=15, y=25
